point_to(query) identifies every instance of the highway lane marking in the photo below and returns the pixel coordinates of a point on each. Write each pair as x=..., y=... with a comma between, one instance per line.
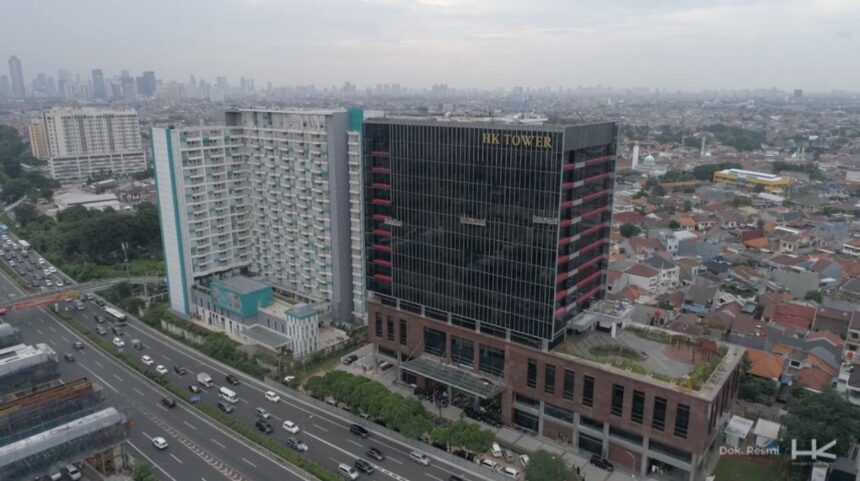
x=244, y=401
x=249, y=462
x=64, y=338
x=171, y=360
x=100, y=379
x=39, y=331
x=146, y=435
x=350, y=441
x=219, y=444
x=52, y=328
x=153, y=463
x=320, y=428
x=394, y=459
x=98, y=364
x=118, y=378
x=180, y=461
x=138, y=391
x=335, y=460
x=189, y=425
x=431, y=476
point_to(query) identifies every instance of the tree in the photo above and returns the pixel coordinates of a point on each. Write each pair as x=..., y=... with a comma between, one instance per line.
x=463, y=434
x=674, y=224
x=630, y=230
x=688, y=205
x=706, y=171
x=824, y=416
x=142, y=472
x=813, y=296
x=544, y=466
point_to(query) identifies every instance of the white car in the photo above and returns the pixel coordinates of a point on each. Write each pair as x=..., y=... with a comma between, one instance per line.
x=59, y=283
x=420, y=458
x=41, y=261
x=118, y=342
x=52, y=269
x=272, y=396
x=48, y=283
x=159, y=443
x=147, y=360
x=509, y=472
x=160, y=369
x=291, y=427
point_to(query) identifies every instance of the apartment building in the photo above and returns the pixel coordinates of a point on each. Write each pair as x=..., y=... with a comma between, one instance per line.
x=87, y=142
x=267, y=193
x=38, y=142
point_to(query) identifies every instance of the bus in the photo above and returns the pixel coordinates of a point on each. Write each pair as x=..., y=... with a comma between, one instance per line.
x=115, y=315
x=24, y=245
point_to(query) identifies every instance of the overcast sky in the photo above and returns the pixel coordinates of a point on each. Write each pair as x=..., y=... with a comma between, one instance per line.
x=674, y=44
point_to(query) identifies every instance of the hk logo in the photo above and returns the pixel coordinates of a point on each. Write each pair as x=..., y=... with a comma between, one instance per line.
x=815, y=453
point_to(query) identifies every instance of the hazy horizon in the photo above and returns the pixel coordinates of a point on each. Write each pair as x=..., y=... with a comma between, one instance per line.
x=674, y=45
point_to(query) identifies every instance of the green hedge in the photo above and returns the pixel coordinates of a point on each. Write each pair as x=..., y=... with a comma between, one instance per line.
x=247, y=432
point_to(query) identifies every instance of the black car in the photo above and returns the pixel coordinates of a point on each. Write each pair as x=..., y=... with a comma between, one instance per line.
x=264, y=427
x=194, y=388
x=454, y=477
x=69, y=357
x=117, y=331
x=363, y=466
x=350, y=359
x=99, y=319
x=180, y=370
x=78, y=345
x=296, y=444
x=226, y=407
x=358, y=430
x=232, y=379
x=101, y=330
x=168, y=402
x=376, y=454
x=601, y=462
x=100, y=302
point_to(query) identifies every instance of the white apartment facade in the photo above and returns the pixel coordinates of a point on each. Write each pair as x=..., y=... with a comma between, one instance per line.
x=82, y=142
x=269, y=194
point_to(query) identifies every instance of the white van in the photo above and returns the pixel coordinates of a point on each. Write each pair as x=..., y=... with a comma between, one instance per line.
x=347, y=471
x=497, y=450
x=228, y=395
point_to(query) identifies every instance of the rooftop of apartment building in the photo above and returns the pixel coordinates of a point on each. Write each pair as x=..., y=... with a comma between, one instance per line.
x=686, y=363
x=295, y=110
x=514, y=121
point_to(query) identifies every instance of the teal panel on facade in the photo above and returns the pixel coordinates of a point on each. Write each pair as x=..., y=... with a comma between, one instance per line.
x=356, y=119
x=241, y=295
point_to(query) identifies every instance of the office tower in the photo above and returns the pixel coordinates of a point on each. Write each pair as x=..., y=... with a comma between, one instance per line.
x=798, y=94
x=147, y=84
x=5, y=86
x=222, y=83
x=486, y=249
x=99, y=91
x=267, y=192
x=16, y=73
x=38, y=140
x=87, y=141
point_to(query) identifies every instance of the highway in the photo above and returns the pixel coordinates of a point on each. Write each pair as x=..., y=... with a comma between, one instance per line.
x=323, y=430
x=199, y=449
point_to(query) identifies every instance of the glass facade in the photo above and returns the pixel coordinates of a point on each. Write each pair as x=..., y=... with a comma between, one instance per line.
x=503, y=225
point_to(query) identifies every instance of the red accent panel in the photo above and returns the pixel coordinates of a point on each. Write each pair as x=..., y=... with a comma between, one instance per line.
x=589, y=246
x=560, y=295
x=563, y=258
x=587, y=295
x=561, y=277
x=380, y=153
x=598, y=160
x=591, y=262
x=564, y=241
x=381, y=186
x=594, y=212
x=381, y=233
x=380, y=170
x=595, y=195
x=381, y=247
x=567, y=167
x=596, y=178
x=382, y=201
x=565, y=223
x=382, y=277
x=567, y=185
x=587, y=279
x=592, y=230
x=559, y=311
x=382, y=262
x=380, y=217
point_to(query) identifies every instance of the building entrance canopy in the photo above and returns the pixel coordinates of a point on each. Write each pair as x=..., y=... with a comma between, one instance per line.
x=455, y=377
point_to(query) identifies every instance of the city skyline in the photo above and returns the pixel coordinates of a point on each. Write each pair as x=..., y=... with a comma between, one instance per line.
x=464, y=43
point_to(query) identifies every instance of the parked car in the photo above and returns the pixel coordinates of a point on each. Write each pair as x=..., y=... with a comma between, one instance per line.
x=601, y=463
x=509, y=472
x=350, y=359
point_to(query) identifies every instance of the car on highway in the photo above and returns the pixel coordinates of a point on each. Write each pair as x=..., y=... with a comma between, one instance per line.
x=118, y=342
x=226, y=407
x=70, y=471
x=420, y=458
x=376, y=454
x=601, y=462
x=291, y=427
x=262, y=413
x=159, y=443
x=363, y=466
x=100, y=302
x=117, y=331
x=296, y=444
x=272, y=396
x=194, y=388
x=232, y=379
x=78, y=345
x=99, y=319
x=347, y=471
x=59, y=283
x=135, y=343
x=69, y=357
x=168, y=402
x=178, y=369
x=160, y=369
x=263, y=426
x=358, y=430
x=101, y=330
x=147, y=360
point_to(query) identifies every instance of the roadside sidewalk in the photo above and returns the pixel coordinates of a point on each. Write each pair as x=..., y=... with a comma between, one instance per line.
x=521, y=441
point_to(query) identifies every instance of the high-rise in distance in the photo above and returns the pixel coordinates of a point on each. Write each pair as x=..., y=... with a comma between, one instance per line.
x=16, y=73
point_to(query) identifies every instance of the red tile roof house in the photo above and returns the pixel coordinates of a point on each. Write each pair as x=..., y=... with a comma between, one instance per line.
x=627, y=218
x=796, y=316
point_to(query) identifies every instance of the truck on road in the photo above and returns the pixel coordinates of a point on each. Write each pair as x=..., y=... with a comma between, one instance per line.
x=204, y=379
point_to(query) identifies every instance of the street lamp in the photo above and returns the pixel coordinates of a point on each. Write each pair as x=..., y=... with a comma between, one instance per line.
x=124, y=246
x=632, y=458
